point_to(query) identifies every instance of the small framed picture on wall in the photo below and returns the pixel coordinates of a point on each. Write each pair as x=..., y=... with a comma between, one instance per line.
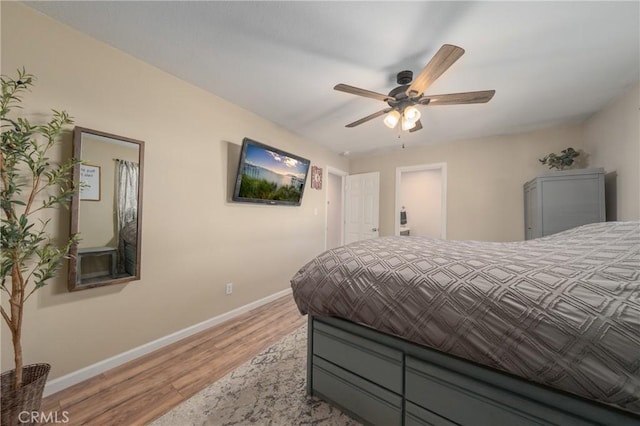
x=316, y=177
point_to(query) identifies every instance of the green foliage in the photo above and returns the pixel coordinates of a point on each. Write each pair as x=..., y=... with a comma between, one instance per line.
x=565, y=159
x=31, y=182
x=263, y=189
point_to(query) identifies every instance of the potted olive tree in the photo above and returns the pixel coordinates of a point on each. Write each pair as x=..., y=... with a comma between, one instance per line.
x=30, y=183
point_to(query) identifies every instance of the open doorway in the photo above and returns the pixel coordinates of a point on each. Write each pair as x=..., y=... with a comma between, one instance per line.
x=421, y=197
x=334, y=231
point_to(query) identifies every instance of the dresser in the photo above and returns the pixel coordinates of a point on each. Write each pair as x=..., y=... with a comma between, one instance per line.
x=560, y=200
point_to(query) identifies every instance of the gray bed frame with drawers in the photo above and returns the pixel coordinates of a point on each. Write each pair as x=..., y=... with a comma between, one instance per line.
x=384, y=380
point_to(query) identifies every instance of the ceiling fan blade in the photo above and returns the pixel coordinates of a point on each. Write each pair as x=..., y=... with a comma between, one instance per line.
x=361, y=92
x=417, y=127
x=479, y=97
x=369, y=117
x=441, y=61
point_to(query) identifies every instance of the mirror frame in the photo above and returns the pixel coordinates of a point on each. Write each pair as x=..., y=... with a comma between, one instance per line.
x=75, y=206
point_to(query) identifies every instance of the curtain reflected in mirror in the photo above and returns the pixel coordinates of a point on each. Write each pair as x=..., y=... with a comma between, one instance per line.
x=127, y=208
x=106, y=212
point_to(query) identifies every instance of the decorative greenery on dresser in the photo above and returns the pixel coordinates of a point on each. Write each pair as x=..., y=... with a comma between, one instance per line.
x=31, y=254
x=565, y=159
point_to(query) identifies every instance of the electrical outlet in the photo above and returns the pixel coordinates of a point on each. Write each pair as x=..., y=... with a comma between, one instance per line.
x=229, y=288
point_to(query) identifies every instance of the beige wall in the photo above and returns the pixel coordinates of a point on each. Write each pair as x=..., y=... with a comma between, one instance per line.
x=612, y=140
x=484, y=179
x=193, y=240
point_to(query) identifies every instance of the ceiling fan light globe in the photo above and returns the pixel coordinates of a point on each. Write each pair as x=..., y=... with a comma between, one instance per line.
x=411, y=114
x=407, y=124
x=392, y=119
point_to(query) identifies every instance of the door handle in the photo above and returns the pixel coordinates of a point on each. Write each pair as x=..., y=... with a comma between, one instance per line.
x=374, y=229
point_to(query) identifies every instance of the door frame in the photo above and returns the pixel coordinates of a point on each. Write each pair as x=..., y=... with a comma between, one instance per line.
x=343, y=176
x=443, y=190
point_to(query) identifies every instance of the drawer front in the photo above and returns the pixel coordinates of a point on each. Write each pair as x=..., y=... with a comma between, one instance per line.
x=417, y=416
x=466, y=401
x=375, y=362
x=371, y=403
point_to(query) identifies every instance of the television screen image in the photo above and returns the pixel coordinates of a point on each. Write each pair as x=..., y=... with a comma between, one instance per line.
x=270, y=176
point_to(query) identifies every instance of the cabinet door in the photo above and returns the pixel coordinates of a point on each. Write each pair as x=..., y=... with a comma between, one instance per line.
x=570, y=202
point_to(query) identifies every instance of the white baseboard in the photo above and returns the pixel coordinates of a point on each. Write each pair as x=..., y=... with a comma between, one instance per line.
x=78, y=376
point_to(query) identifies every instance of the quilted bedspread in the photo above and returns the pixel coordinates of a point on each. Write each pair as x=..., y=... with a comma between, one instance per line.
x=562, y=310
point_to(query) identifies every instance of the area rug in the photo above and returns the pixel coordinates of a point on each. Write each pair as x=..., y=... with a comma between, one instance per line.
x=267, y=390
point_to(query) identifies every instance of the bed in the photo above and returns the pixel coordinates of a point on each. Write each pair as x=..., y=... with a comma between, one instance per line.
x=420, y=331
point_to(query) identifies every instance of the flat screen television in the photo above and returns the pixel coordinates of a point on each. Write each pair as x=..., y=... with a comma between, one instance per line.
x=269, y=175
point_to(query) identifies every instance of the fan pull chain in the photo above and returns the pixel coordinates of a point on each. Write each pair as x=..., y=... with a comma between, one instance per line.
x=400, y=134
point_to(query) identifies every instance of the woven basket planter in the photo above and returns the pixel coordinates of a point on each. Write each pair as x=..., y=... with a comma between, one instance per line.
x=27, y=398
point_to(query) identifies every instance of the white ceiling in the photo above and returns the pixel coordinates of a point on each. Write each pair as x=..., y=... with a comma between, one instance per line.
x=549, y=62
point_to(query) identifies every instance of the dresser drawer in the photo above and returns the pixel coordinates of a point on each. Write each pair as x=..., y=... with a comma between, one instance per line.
x=366, y=400
x=372, y=361
x=417, y=416
x=466, y=401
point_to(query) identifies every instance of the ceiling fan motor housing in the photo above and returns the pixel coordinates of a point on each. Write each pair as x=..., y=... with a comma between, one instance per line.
x=398, y=95
x=400, y=99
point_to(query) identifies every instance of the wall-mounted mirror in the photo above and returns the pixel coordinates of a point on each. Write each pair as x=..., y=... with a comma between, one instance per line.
x=107, y=210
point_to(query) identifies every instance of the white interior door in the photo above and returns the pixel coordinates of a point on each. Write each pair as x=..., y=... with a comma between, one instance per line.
x=362, y=206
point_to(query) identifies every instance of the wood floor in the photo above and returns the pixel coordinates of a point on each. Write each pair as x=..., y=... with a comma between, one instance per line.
x=138, y=392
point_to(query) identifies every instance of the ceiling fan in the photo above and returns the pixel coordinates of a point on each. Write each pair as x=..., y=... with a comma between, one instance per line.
x=403, y=99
